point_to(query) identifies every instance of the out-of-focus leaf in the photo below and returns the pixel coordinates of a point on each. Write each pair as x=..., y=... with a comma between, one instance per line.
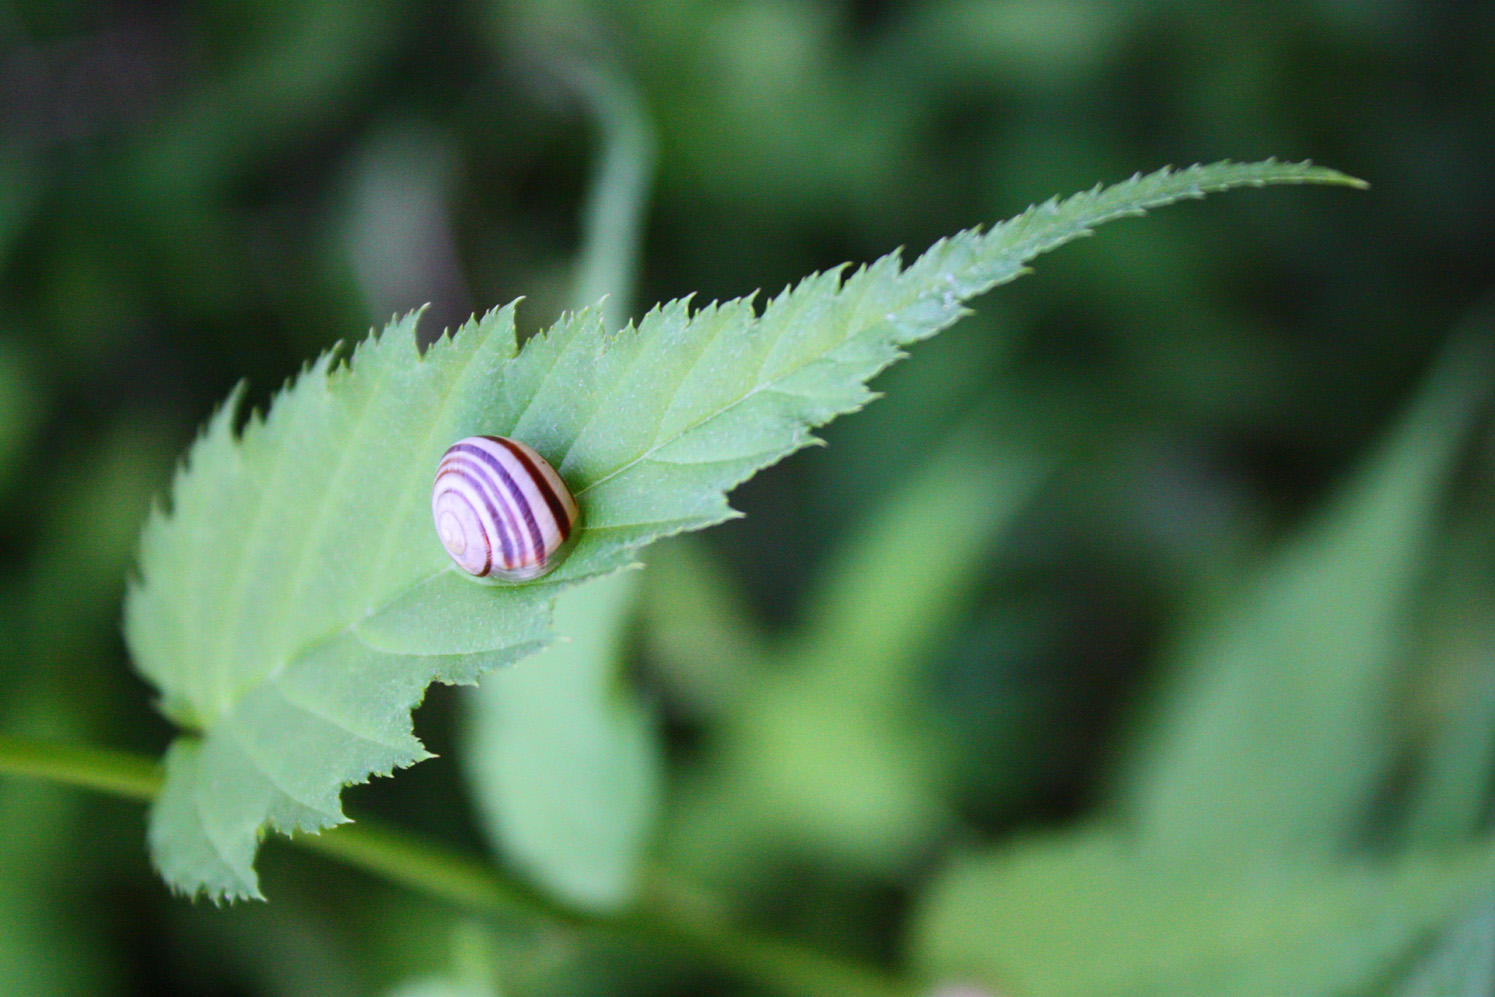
x=869, y=620
x=1460, y=962
x=1451, y=802
x=1279, y=727
x=702, y=641
x=440, y=986
x=1265, y=759
x=874, y=794
x=563, y=756
x=473, y=968
x=1453, y=702
x=1033, y=45
x=1084, y=915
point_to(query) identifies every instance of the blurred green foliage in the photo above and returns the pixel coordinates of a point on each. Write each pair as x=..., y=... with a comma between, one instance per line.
x=200, y=193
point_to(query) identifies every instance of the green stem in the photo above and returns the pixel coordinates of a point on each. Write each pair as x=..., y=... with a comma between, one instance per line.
x=659, y=922
x=101, y=769
x=618, y=194
x=790, y=967
x=662, y=921
x=423, y=866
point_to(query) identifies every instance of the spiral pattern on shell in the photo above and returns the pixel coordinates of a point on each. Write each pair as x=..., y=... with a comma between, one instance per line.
x=500, y=510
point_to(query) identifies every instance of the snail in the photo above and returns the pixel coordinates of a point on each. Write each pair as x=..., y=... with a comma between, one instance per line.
x=501, y=511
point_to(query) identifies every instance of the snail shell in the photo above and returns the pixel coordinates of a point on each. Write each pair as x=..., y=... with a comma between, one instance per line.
x=501, y=511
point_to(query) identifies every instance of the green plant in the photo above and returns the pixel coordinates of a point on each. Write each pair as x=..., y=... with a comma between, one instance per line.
x=293, y=607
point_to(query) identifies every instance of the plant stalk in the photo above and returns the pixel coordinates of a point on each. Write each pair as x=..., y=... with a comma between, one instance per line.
x=661, y=921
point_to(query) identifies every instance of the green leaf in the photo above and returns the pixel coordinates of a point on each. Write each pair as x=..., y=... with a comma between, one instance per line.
x=294, y=603
x=1459, y=963
x=1232, y=880
x=563, y=757
x=1449, y=802
x=438, y=986
x=841, y=692
x=473, y=969
x=1281, y=727
x=703, y=643
x=1085, y=916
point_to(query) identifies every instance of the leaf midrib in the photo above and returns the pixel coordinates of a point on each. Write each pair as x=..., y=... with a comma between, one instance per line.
x=762, y=385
